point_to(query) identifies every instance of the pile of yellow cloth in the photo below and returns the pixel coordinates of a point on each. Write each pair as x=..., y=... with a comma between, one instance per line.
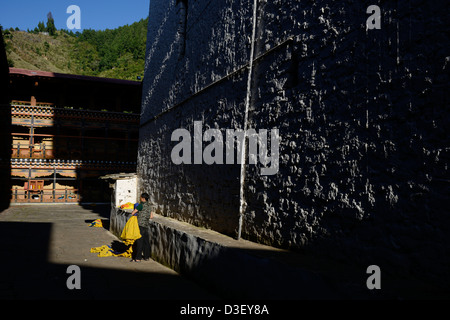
x=129, y=234
x=107, y=251
x=97, y=223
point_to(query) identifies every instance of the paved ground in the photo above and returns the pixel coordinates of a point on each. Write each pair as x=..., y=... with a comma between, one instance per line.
x=40, y=242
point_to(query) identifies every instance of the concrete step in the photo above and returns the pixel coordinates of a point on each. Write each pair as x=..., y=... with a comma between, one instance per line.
x=241, y=269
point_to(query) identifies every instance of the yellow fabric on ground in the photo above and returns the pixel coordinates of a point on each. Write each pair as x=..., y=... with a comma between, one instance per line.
x=129, y=234
x=107, y=251
x=97, y=223
x=103, y=251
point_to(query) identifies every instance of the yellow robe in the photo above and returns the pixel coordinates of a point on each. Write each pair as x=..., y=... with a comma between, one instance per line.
x=130, y=233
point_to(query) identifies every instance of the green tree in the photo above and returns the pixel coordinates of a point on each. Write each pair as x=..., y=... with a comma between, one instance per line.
x=41, y=26
x=117, y=53
x=51, y=28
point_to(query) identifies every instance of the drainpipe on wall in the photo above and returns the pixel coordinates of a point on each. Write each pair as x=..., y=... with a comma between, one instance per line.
x=243, y=204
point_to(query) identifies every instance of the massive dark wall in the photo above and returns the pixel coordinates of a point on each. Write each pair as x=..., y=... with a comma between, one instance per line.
x=362, y=115
x=181, y=62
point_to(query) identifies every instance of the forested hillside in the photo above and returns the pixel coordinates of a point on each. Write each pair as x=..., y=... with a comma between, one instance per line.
x=117, y=53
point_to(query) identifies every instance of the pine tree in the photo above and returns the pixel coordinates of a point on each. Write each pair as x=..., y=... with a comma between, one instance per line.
x=41, y=26
x=51, y=28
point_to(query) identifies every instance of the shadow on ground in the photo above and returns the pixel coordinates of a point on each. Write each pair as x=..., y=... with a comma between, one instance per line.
x=27, y=274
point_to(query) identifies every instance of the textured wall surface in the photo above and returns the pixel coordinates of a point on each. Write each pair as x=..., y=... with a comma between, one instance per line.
x=363, y=117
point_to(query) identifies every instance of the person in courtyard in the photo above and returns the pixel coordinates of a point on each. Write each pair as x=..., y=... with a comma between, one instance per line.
x=144, y=212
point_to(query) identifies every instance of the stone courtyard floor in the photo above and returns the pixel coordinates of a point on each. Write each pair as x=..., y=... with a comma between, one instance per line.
x=40, y=242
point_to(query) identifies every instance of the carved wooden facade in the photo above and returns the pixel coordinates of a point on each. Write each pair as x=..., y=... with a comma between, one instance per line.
x=59, y=151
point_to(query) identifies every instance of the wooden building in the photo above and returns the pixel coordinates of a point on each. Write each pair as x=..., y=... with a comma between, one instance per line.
x=5, y=131
x=67, y=131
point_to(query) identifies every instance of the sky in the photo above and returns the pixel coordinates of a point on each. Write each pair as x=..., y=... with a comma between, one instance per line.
x=95, y=14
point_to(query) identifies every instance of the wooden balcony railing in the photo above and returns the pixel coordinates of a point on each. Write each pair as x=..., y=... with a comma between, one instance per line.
x=45, y=195
x=31, y=153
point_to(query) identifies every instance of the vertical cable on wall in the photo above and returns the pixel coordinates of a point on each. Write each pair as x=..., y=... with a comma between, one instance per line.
x=183, y=12
x=242, y=203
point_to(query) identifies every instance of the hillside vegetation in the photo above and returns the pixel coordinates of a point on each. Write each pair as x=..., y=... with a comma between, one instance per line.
x=117, y=53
